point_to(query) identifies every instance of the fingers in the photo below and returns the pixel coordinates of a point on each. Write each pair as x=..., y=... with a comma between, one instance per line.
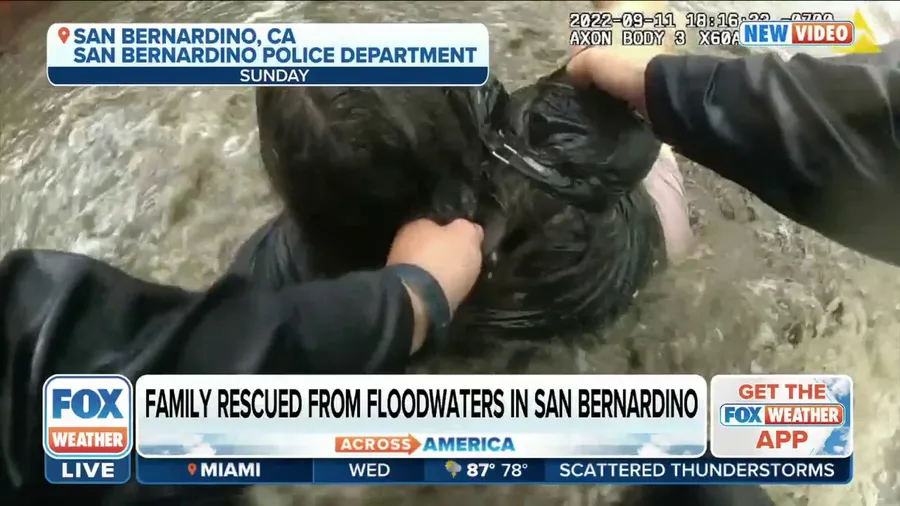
x=463, y=229
x=450, y=253
x=468, y=229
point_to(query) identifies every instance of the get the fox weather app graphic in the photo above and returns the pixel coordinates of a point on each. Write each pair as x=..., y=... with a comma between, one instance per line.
x=88, y=431
x=776, y=416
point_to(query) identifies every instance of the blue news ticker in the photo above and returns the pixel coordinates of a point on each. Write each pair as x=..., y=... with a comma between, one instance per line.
x=87, y=471
x=707, y=470
x=232, y=76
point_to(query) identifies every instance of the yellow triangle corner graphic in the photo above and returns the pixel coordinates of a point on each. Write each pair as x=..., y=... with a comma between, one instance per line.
x=865, y=43
x=860, y=23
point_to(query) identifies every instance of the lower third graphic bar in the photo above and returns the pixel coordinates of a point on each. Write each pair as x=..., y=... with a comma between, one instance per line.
x=707, y=470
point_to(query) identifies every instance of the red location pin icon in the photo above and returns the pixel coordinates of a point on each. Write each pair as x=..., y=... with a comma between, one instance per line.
x=192, y=468
x=64, y=36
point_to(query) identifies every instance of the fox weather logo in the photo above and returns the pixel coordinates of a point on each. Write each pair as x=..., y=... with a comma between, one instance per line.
x=88, y=428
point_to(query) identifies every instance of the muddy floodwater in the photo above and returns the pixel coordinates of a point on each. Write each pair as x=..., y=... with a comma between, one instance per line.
x=165, y=183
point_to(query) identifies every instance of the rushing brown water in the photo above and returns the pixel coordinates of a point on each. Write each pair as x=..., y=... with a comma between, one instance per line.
x=165, y=182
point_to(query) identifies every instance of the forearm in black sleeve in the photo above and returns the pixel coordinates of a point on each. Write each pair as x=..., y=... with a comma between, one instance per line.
x=817, y=139
x=66, y=313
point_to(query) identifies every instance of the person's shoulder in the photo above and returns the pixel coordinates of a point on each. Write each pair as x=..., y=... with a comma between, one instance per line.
x=274, y=255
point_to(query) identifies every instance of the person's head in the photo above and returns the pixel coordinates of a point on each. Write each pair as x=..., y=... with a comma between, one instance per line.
x=353, y=164
x=586, y=147
x=587, y=236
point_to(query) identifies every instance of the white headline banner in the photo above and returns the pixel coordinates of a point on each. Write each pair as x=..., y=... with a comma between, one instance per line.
x=433, y=416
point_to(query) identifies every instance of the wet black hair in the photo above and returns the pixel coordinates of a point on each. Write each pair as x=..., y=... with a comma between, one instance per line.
x=353, y=164
x=577, y=143
x=585, y=236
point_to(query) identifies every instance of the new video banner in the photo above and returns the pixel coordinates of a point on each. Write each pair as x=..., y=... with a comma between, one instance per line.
x=646, y=471
x=285, y=54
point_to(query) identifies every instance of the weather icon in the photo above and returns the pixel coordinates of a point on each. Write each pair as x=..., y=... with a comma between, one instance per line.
x=452, y=467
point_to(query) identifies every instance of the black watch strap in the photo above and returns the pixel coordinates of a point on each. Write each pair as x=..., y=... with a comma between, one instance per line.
x=437, y=308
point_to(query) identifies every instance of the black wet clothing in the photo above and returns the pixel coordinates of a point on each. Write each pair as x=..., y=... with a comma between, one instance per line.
x=67, y=313
x=816, y=139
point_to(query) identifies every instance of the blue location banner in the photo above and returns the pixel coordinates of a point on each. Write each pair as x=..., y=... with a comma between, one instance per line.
x=268, y=54
x=267, y=76
x=658, y=471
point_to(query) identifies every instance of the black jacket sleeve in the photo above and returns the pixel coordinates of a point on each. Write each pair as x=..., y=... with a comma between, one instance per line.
x=817, y=139
x=66, y=313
